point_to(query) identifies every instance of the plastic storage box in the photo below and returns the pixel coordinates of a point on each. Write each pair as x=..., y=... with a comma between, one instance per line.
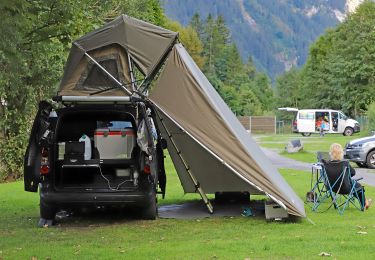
x=114, y=143
x=274, y=211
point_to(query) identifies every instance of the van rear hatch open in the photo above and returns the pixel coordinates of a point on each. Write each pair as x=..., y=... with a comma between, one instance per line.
x=111, y=133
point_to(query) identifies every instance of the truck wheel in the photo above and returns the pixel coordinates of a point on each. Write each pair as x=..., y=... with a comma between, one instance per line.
x=306, y=134
x=150, y=211
x=348, y=131
x=370, y=160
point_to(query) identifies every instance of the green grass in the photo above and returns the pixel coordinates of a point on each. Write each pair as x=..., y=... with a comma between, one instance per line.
x=113, y=237
x=311, y=144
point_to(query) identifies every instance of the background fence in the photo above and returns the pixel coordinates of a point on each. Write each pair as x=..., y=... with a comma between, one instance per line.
x=259, y=124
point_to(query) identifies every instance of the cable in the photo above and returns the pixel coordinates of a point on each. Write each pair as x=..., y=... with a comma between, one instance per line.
x=109, y=183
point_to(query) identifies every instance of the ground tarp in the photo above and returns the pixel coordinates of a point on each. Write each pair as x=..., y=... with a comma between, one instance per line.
x=209, y=139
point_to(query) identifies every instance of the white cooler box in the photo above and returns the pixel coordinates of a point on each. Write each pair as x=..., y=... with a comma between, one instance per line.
x=114, y=143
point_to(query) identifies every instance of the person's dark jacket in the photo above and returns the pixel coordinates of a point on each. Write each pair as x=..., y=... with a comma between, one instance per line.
x=334, y=170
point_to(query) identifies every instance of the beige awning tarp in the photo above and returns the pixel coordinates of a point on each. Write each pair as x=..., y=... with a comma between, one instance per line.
x=218, y=150
x=147, y=45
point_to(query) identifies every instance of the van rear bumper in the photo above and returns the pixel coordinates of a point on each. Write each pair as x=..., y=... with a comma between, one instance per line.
x=62, y=199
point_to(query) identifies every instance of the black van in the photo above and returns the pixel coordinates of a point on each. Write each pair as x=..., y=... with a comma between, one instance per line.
x=126, y=166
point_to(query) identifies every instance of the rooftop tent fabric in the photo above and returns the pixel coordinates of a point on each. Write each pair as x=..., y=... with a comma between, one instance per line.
x=88, y=78
x=198, y=119
x=146, y=44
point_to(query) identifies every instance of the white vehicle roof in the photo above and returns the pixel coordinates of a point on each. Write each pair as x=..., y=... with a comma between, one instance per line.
x=292, y=109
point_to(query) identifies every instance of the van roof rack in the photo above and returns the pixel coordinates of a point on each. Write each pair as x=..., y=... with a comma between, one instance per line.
x=93, y=99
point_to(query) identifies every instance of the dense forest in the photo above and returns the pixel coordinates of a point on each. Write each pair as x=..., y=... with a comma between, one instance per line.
x=36, y=37
x=276, y=34
x=340, y=69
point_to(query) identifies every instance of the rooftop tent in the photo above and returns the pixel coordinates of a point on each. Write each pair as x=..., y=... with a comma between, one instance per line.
x=112, y=46
x=209, y=147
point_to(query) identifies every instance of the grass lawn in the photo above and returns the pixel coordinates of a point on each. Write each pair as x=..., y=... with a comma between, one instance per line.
x=115, y=237
x=311, y=144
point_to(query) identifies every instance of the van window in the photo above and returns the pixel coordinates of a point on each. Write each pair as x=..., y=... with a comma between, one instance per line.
x=342, y=116
x=306, y=115
x=114, y=124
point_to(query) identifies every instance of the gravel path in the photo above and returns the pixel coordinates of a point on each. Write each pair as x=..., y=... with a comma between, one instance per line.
x=283, y=162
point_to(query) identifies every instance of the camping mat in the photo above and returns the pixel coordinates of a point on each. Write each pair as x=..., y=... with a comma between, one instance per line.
x=197, y=209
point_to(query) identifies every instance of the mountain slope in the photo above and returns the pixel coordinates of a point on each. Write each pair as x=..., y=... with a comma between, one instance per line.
x=277, y=34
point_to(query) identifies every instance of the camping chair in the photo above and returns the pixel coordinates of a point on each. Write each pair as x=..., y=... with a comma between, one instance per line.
x=322, y=157
x=339, y=186
x=318, y=189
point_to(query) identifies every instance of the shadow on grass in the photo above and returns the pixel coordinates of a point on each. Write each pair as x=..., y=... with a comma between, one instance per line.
x=99, y=216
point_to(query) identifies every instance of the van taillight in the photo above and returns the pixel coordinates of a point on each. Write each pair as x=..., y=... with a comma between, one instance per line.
x=44, y=162
x=44, y=169
x=147, y=169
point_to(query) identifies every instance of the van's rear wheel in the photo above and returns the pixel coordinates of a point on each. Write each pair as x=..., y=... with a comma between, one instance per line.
x=306, y=134
x=47, y=212
x=348, y=131
x=150, y=211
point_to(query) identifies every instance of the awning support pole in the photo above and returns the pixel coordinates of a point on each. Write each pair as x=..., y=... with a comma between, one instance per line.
x=196, y=183
x=109, y=74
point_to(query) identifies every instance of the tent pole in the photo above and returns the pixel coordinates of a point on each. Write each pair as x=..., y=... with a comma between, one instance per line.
x=131, y=73
x=109, y=74
x=196, y=183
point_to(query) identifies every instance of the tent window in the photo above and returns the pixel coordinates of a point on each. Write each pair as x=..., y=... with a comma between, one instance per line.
x=98, y=78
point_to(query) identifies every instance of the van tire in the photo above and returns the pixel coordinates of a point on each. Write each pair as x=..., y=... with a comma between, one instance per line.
x=150, y=211
x=348, y=131
x=370, y=160
x=306, y=134
x=47, y=212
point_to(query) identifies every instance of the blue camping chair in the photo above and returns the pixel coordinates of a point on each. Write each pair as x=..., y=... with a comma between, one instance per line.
x=335, y=182
x=318, y=188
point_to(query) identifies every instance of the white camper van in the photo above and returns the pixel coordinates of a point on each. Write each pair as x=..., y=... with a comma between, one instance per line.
x=309, y=121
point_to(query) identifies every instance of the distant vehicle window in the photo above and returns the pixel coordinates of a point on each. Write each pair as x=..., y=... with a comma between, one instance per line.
x=114, y=124
x=342, y=116
x=306, y=115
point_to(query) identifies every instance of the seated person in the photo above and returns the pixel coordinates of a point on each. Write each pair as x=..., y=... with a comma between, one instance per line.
x=335, y=167
x=325, y=124
x=318, y=123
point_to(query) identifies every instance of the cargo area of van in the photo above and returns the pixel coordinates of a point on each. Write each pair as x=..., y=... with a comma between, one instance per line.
x=96, y=150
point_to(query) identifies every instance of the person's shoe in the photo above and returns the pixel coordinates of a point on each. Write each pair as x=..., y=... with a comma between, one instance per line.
x=368, y=203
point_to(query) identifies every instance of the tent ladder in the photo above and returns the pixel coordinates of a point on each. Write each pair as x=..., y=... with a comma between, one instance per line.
x=194, y=180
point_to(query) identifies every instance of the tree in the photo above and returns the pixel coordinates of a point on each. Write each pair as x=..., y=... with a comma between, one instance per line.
x=339, y=72
x=197, y=25
x=288, y=87
x=246, y=91
x=189, y=38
